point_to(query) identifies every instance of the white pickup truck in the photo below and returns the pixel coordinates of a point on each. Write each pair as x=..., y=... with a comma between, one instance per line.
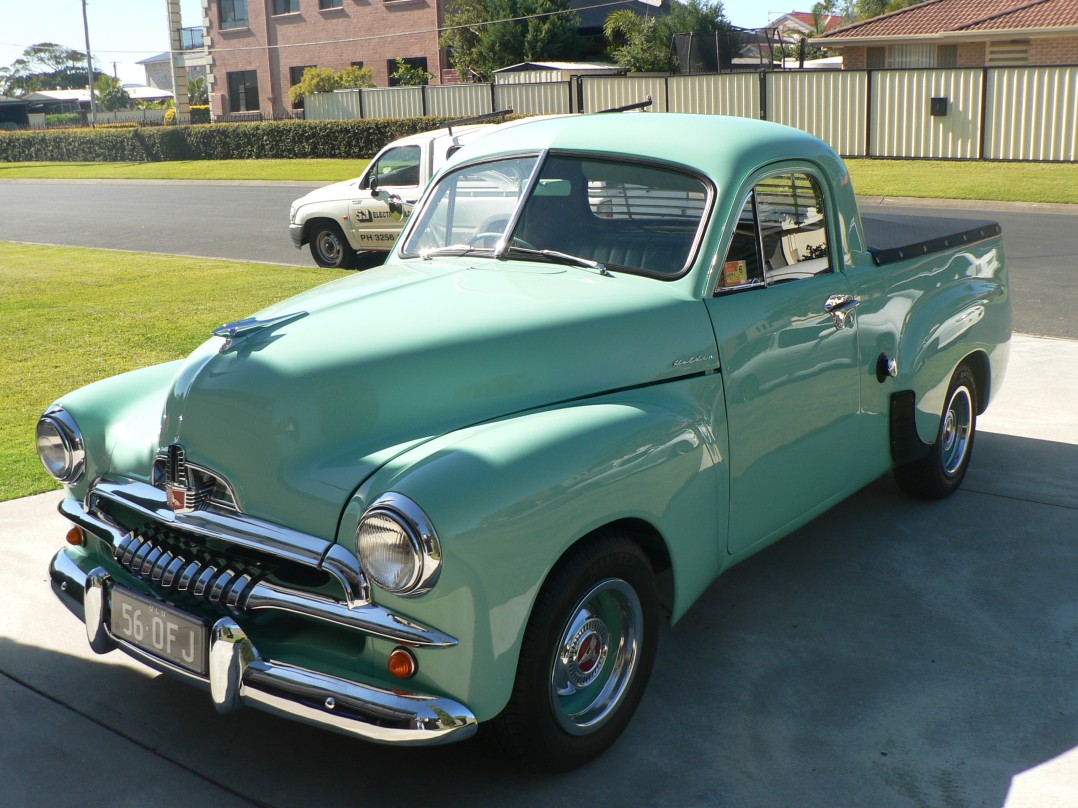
x=367, y=213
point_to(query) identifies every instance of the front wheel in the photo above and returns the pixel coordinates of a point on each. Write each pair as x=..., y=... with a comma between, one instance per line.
x=329, y=248
x=941, y=471
x=587, y=654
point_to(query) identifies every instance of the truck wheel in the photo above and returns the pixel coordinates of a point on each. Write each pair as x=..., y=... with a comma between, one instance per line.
x=586, y=656
x=329, y=248
x=940, y=472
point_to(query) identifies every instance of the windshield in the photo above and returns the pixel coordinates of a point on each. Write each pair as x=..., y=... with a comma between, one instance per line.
x=619, y=214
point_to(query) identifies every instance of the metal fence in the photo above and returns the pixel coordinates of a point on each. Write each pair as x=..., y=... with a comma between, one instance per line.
x=993, y=113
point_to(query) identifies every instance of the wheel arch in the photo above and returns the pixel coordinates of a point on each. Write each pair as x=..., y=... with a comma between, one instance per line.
x=650, y=540
x=981, y=368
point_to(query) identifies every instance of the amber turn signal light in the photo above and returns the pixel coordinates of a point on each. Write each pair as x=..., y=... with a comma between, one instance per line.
x=76, y=537
x=402, y=664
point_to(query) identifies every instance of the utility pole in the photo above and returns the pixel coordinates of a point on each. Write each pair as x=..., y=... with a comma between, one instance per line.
x=89, y=66
x=181, y=91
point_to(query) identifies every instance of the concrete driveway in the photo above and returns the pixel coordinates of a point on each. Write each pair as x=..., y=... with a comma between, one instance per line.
x=890, y=653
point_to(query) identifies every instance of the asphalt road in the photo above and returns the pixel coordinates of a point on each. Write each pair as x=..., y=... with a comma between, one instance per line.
x=249, y=221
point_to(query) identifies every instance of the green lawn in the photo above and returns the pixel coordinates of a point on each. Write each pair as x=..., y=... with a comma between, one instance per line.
x=312, y=170
x=71, y=316
x=945, y=179
x=948, y=179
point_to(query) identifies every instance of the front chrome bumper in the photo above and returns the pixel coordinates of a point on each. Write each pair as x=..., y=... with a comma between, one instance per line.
x=296, y=232
x=239, y=676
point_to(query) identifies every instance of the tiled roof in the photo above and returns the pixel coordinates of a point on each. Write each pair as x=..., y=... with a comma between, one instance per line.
x=954, y=16
x=832, y=21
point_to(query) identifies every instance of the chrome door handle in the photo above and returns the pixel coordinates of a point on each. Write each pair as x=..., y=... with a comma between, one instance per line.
x=841, y=307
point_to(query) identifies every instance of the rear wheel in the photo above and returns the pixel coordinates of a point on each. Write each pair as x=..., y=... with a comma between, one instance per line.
x=586, y=656
x=329, y=248
x=941, y=471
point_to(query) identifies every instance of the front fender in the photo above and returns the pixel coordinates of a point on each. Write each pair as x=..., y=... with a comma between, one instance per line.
x=120, y=419
x=508, y=498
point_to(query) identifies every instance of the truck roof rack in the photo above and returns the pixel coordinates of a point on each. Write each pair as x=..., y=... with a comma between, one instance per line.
x=486, y=116
x=628, y=107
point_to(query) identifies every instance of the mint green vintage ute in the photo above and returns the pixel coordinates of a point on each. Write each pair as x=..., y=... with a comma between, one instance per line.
x=609, y=357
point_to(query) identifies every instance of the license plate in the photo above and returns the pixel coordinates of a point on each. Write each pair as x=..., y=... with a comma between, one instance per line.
x=162, y=630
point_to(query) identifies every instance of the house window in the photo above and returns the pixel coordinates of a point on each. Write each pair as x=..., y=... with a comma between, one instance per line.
x=356, y=64
x=233, y=14
x=876, y=58
x=326, y=5
x=946, y=56
x=905, y=56
x=1008, y=53
x=243, y=91
x=295, y=76
x=285, y=7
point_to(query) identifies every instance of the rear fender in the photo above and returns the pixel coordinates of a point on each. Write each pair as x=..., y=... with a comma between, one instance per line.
x=964, y=314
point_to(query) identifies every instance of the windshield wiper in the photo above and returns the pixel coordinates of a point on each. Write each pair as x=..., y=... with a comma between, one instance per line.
x=563, y=258
x=452, y=249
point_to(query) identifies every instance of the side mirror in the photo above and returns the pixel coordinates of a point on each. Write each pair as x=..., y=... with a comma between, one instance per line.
x=372, y=181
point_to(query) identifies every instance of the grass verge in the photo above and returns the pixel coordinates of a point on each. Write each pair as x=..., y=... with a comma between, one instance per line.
x=261, y=170
x=948, y=179
x=940, y=179
x=71, y=316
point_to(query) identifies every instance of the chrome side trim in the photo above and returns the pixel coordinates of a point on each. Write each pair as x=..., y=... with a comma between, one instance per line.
x=238, y=676
x=235, y=591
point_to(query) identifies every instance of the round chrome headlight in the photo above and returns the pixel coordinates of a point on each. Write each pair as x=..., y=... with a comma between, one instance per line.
x=397, y=546
x=60, y=446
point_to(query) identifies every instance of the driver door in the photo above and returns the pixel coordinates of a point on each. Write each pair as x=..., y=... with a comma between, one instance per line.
x=784, y=321
x=393, y=173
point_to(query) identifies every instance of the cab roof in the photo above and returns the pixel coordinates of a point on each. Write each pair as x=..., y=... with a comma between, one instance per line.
x=710, y=144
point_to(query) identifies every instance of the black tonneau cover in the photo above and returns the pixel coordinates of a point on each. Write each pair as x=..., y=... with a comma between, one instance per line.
x=893, y=237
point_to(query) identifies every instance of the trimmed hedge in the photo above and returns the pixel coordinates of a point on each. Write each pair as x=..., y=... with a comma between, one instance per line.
x=348, y=139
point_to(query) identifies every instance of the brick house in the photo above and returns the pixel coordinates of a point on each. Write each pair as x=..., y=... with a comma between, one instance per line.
x=961, y=33
x=259, y=48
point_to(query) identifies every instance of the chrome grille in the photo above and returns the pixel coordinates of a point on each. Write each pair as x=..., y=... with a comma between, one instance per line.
x=173, y=564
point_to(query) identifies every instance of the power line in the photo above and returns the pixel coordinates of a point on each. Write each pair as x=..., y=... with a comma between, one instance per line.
x=372, y=37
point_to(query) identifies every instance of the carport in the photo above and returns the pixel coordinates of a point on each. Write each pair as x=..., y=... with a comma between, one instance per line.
x=13, y=113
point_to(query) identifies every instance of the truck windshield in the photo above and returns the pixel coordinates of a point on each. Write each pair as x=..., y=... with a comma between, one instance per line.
x=627, y=216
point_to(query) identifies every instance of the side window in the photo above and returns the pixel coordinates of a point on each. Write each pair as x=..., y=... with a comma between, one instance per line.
x=780, y=235
x=397, y=167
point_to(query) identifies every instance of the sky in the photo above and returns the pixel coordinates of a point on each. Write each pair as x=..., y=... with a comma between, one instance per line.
x=124, y=31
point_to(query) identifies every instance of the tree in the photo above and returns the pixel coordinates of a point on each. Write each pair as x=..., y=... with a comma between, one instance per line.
x=355, y=78
x=644, y=44
x=522, y=31
x=197, y=92
x=407, y=75
x=324, y=80
x=111, y=94
x=314, y=80
x=45, y=66
x=633, y=42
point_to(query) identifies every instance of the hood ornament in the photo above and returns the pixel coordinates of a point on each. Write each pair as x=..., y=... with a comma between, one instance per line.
x=241, y=329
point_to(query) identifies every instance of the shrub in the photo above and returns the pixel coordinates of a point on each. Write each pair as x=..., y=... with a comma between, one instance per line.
x=348, y=139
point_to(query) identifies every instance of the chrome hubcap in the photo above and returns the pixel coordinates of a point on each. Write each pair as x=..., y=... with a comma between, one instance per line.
x=596, y=656
x=956, y=431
